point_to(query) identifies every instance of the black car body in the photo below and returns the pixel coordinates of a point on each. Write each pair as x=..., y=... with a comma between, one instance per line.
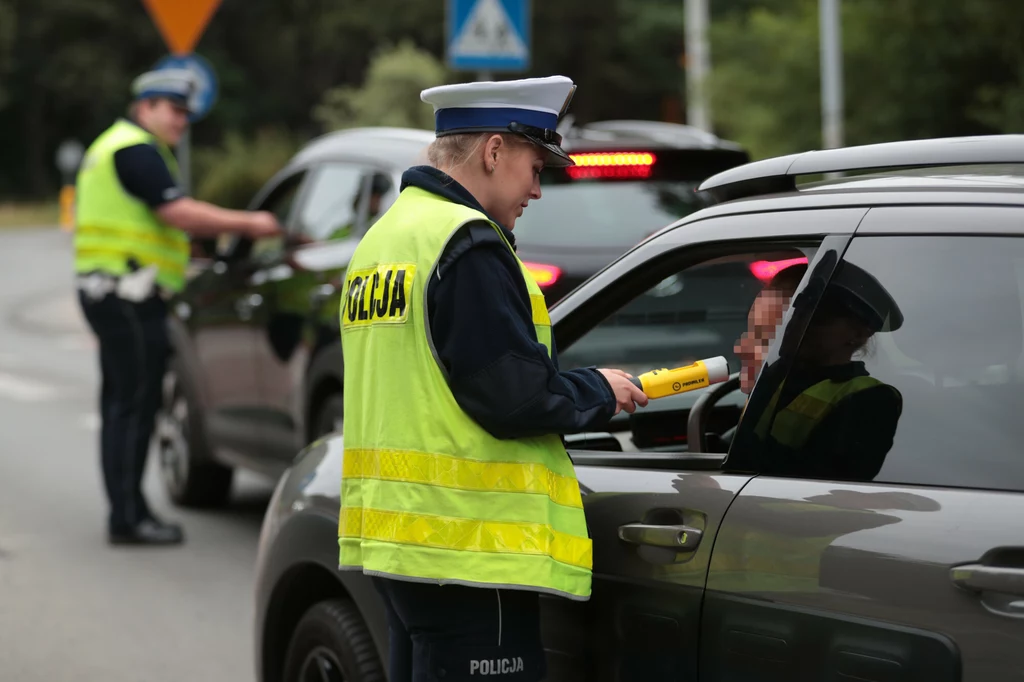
x=709, y=564
x=257, y=367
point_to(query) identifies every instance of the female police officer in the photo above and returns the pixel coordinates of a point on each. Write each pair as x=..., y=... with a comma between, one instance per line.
x=457, y=493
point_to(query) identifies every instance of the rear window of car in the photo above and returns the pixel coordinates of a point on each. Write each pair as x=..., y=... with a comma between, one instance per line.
x=618, y=198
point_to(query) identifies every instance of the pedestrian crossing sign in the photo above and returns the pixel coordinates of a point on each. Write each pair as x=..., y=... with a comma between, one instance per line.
x=488, y=35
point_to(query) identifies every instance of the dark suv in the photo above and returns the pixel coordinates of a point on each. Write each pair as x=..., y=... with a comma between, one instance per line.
x=713, y=559
x=257, y=367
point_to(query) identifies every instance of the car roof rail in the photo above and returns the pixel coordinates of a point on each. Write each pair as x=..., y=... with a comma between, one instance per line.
x=673, y=134
x=778, y=175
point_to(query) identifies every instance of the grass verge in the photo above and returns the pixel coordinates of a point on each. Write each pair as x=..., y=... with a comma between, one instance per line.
x=44, y=214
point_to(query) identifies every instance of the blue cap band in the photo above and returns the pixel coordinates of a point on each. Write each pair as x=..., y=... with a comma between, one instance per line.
x=491, y=118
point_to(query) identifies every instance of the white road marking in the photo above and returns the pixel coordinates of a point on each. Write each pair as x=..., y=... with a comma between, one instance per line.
x=25, y=390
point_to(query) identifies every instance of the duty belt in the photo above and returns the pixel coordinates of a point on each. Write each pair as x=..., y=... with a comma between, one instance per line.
x=97, y=285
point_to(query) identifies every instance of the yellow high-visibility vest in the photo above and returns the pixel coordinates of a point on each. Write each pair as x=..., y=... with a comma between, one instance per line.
x=794, y=423
x=428, y=494
x=114, y=227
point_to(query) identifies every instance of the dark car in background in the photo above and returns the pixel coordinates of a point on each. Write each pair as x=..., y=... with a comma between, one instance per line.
x=256, y=371
x=714, y=561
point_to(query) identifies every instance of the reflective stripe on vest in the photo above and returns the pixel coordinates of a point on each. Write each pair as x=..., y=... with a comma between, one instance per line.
x=113, y=227
x=795, y=422
x=428, y=494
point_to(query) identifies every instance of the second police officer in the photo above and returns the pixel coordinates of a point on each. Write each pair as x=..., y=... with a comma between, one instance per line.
x=132, y=248
x=458, y=496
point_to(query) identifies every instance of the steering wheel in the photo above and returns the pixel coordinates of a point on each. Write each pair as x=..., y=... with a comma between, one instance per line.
x=696, y=439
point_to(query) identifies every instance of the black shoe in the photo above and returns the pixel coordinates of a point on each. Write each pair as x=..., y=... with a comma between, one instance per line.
x=148, y=532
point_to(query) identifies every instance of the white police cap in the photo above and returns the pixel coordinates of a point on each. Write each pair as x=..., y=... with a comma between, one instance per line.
x=177, y=85
x=530, y=107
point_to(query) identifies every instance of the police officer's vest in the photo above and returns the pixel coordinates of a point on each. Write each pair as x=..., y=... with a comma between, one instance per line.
x=114, y=227
x=427, y=494
x=795, y=422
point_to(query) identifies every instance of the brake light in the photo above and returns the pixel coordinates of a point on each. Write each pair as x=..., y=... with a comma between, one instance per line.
x=544, y=275
x=611, y=165
x=614, y=159
x=764, y=270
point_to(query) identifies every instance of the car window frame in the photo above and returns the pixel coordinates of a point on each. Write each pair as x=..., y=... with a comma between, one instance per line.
x=686, y=243
x=240, y=247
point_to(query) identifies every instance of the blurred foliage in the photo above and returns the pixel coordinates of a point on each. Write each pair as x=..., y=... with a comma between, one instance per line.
x=913, y=68
x=390, y=96
x=230, y=175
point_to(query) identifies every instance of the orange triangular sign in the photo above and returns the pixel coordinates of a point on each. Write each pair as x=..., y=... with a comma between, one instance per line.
x=181, y=22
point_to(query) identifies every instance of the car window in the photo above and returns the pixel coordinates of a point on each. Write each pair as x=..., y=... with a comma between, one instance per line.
x=616, y=198
x=910, y=369
x=332, y=206
x=279, y=202
x=695, y=313
x=605, y=214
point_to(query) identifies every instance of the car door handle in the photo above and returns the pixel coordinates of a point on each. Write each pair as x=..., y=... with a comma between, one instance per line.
x=982, y=578
x=672, y=537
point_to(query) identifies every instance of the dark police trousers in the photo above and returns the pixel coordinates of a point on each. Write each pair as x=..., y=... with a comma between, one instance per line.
x=452, y=633
x=134, y=347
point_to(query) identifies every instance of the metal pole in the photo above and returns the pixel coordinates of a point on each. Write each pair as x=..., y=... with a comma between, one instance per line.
x=831, y=74
x=697, y=64
x=185, y=161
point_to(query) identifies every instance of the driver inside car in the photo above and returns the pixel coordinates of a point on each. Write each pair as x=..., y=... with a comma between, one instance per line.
x=828, y=418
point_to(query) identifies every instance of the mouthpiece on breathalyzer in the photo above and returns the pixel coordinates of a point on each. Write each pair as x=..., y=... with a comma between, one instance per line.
x=660, y=383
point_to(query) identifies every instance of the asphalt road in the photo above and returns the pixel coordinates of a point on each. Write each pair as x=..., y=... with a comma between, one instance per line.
x=72, y=607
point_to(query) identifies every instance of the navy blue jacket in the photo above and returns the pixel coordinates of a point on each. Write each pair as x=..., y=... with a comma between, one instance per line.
x=144, y=174
x=481, y=324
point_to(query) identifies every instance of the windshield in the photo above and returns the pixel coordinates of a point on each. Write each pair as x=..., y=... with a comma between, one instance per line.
x=595, y=214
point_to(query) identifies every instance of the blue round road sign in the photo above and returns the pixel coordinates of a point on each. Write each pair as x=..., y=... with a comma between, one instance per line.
x=206, y=91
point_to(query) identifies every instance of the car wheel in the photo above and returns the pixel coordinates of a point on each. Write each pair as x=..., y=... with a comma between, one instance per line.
x=189, y=481
x=332, y=644
x=330, y=417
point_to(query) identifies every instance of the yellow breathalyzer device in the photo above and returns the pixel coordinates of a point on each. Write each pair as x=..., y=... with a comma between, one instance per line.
x=659, y=383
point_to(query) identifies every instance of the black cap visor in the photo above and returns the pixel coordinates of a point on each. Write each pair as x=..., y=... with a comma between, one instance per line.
x=543, y=137
x=549, y=140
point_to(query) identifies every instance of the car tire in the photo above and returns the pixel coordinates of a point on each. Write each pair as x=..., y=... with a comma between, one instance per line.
x=189, y=479
x=329, y=417
x=331, y=642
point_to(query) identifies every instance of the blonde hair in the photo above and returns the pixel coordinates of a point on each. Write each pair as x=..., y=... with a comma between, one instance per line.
x=453, y=151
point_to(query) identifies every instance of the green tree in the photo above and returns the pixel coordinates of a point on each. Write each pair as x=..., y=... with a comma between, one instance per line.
x=912, y=69
x=231, y=174
x=390, y=95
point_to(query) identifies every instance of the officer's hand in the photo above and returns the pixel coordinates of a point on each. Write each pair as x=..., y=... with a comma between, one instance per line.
x=627, y=395
x=263, y=224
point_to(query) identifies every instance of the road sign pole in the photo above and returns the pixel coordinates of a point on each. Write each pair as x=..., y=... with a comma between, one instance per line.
x=831, y=74
x=697, y=64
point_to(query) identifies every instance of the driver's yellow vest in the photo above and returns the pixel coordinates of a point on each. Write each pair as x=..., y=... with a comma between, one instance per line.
x=113, y=227
x=795, y=422
x=427, y=494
